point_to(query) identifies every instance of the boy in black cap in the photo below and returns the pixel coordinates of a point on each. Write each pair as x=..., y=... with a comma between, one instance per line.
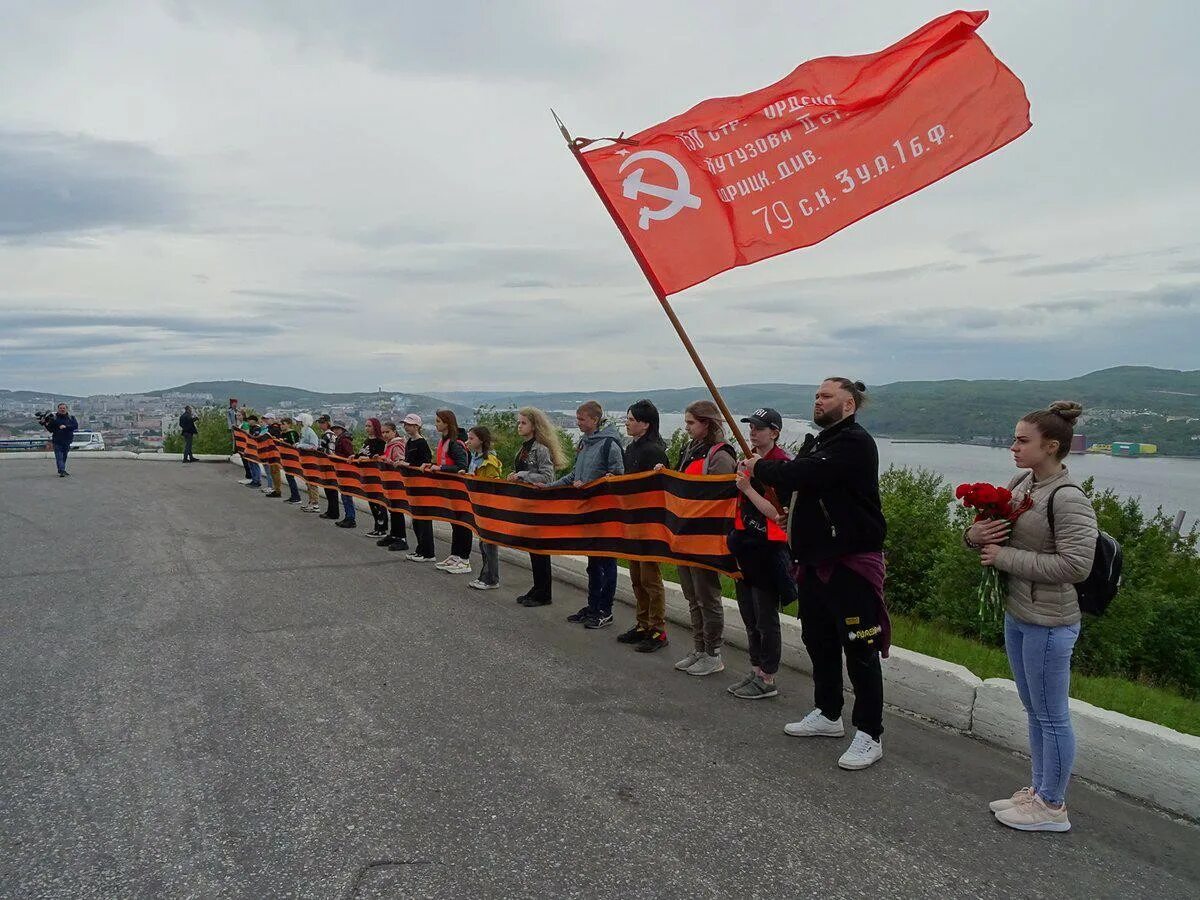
x=760, y=545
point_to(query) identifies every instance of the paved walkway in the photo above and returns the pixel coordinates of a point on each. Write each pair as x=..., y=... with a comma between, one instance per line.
x=210, y=694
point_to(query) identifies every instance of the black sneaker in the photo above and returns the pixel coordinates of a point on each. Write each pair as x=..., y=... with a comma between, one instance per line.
x=397, y=546
x=633, y=636
x=654, y=640
x=375, y=533
x=292, y=500
x=329, y=515
x=598, y=620
x=582, y=616
x=536, y=600
x=347, y=523
x=525, y=596
x=384, y=541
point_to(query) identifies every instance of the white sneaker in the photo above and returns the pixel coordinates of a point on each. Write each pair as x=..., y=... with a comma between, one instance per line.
x=708, y=664
x=690, y=660
x=815, y=725
x=458, y=567
x=863, y=751
x=1024, y=795
x=446, y=563
x=417, y=557
x=243, y=481
x=316, y=507
x=482, y=585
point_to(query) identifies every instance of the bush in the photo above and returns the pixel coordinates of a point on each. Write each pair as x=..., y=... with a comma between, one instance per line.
x=212, y=434
x=915, y=503
x=1171, y=649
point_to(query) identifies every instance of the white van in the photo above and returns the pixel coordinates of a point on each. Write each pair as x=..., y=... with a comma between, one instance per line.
x=87, y=440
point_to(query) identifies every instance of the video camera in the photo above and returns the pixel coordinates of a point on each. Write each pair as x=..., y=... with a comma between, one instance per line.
x=45, y=417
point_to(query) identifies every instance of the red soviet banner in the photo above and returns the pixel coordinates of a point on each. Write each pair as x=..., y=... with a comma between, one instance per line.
x=736, y=180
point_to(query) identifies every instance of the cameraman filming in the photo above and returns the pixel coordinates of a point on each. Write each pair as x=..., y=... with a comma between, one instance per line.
x=62, y=427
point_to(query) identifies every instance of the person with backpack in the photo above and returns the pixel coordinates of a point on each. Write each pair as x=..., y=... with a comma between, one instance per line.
x=706, y=453
x=759, y=544
x=417, y=455
x=645, y=451
x=451, y=456
x=343, y=446
x=1050, y=548
x=836, y=531
x=598, y=453
x=484, y=464
x=539, y=457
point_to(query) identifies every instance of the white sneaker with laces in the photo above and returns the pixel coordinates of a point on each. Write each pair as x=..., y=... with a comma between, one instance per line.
x=815, y=725
x=445, y=563
x=458, y=567
x=1024, y=795
x=690, y=660
x=243, y=481
x=863, y=751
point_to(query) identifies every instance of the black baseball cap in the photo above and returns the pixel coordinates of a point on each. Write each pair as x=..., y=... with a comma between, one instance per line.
x=766, y=418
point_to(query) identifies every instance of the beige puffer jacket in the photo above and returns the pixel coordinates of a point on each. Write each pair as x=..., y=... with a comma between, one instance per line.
x=1043, y=570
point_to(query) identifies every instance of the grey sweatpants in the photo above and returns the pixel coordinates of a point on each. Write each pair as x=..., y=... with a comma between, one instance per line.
x=702, y=587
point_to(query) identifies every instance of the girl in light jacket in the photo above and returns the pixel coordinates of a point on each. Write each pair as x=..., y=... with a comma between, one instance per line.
x=537, y=461
x=1042, y=616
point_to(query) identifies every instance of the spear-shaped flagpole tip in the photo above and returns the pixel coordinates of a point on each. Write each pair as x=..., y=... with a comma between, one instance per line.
x=561, y=127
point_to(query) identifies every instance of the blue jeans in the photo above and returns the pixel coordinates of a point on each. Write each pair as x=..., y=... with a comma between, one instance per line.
x=348, y=507
x=602, y=583
x=266, y=475
x=1040, y=657
x=60, y=456
x=293, y=487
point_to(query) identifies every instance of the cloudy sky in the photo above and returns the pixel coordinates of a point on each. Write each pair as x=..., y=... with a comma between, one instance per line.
x=345, y=195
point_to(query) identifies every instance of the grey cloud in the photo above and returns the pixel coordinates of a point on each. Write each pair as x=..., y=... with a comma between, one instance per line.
x=970, y=243
x=1065, y=305
x=272, y=301
x=517, y=39
x=54, y=184
x=1010, y=258
x=1064, y=268
x=183, y=325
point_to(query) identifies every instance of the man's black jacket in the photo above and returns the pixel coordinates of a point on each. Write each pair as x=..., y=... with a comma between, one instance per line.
x=835, y=509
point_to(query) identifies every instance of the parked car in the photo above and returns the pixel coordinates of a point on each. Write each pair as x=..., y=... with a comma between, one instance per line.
x=87, y=440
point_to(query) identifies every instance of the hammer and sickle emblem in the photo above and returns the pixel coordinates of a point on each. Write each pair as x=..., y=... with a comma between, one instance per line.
x=677, y=197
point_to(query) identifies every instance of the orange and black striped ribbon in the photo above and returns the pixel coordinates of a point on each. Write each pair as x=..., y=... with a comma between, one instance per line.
x=656, y=516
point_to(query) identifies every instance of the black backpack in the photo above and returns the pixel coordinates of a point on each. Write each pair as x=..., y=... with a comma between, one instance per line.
x=1096, y=591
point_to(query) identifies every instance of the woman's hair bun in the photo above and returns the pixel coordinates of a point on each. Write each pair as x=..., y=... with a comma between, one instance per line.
x=862, y=387
x=1067, y=410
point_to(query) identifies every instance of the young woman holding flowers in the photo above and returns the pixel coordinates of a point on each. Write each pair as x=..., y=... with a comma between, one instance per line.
x=1042, y=617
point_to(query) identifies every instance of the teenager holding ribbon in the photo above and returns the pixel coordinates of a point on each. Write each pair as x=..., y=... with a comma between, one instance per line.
x=451, y=456
x=538, y=459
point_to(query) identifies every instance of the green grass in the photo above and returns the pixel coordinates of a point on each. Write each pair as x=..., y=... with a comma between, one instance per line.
x=1142, y=701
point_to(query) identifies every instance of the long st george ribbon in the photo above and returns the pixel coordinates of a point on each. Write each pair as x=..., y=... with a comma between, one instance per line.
x=658, y=516
x=737, y=180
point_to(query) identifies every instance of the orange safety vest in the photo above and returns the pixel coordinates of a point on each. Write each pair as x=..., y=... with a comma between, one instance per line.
x=774, y=532
x=443, y=456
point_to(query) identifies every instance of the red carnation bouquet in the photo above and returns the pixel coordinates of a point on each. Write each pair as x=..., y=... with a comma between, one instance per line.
x=991, y=502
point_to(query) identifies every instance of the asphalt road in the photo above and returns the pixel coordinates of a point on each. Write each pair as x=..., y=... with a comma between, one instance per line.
x=207, y=693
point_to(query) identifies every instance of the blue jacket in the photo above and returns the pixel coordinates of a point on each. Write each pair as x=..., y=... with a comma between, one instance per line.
x=600, y=453
x=63, y=430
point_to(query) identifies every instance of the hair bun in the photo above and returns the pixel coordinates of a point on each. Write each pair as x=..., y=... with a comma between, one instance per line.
x=1068, y=410
x=862, y=387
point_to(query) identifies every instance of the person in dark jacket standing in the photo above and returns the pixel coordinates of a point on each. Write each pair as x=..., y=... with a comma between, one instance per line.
x=417, y=455
x=343, y=446
x=187, y=427
x=647, y=450
x=327, y=438
x=62, y=430
x=835, y=530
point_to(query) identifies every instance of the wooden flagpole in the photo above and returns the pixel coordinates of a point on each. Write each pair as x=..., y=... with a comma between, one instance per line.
x=574, y=145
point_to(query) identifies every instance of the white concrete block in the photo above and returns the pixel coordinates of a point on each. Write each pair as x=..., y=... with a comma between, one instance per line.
x=929, y=687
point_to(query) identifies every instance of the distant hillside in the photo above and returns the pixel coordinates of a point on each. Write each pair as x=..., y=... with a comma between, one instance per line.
x=30, y=396
x=260, y=396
